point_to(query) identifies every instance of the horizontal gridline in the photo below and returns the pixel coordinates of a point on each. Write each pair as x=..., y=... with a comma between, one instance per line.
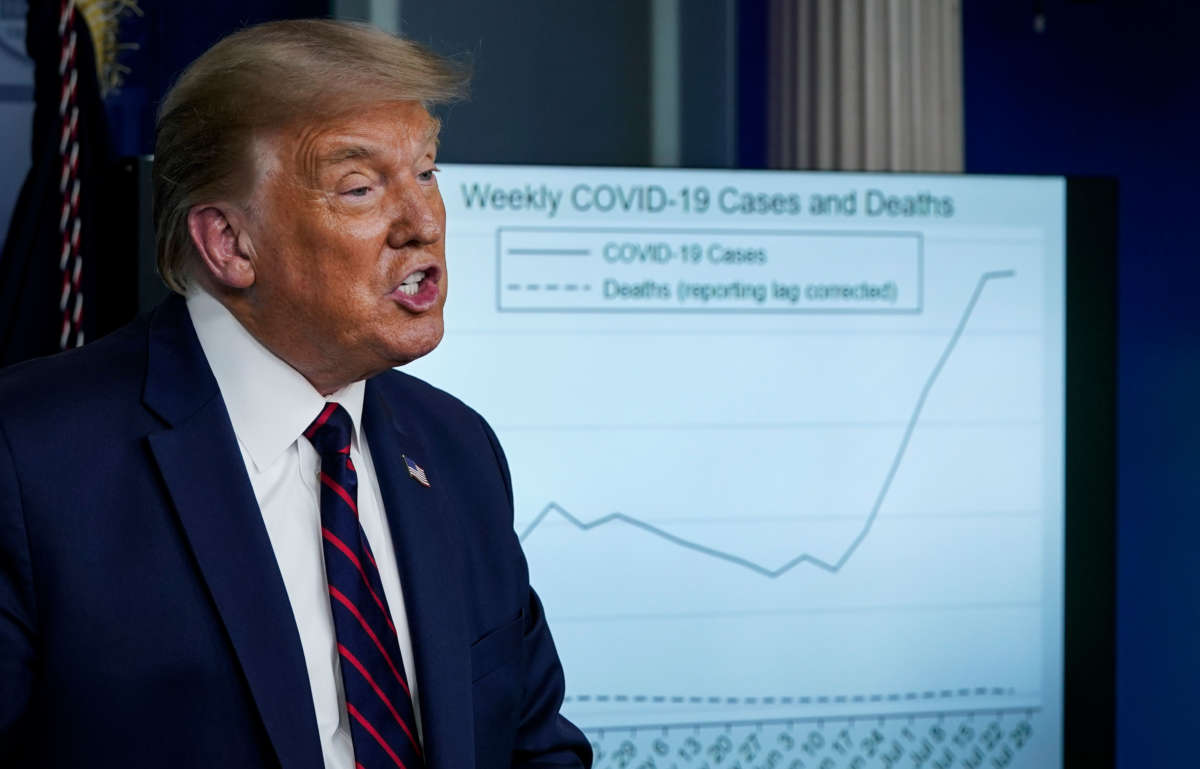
x=830, y=517
x=734, y=614
x=793, y=425
x=708, y=334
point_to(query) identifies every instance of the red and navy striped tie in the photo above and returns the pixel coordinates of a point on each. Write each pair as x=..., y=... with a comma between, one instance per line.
x=377, y=698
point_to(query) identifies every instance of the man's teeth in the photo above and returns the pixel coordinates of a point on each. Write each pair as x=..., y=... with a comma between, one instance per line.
x=412, y=283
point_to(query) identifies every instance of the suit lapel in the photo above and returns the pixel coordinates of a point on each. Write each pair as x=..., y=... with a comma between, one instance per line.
x=423, y=536
x=206, y=478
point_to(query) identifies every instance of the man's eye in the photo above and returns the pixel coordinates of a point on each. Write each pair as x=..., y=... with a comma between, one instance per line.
x=427, y=176
x=358, y=192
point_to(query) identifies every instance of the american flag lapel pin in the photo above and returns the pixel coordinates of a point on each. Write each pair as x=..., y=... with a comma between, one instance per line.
x=415, y=472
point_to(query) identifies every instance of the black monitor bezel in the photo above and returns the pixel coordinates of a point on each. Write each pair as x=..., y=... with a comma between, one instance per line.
x=1089, y=668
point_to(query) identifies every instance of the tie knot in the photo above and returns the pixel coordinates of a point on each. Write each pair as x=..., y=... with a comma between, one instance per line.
x=330, y=432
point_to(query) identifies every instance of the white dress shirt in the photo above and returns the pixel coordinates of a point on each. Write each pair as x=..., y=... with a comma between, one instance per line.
x=270, y=405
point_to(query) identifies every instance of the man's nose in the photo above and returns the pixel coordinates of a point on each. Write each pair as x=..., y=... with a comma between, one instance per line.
x=415, y=220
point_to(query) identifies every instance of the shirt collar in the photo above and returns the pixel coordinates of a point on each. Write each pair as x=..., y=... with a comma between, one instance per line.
x=270, y=403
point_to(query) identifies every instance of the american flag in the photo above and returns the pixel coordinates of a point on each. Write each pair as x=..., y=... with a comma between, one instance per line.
x=415, y=472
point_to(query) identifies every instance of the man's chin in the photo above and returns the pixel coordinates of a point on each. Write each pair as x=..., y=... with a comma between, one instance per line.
x=417, y=345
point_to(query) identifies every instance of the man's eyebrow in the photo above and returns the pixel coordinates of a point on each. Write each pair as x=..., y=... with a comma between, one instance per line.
x=360, y=152
x=342, y=154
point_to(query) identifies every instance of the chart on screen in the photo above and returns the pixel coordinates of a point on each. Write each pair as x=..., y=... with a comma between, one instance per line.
x=786, y=452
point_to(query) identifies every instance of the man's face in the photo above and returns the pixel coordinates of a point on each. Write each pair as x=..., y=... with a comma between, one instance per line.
x=348, y=240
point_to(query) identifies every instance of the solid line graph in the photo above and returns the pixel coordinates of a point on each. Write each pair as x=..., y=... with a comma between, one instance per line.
x=836, y=565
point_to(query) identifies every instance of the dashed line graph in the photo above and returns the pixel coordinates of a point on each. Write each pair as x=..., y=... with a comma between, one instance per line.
x=554, y=508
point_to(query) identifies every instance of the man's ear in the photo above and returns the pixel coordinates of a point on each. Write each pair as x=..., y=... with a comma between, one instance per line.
x=225, y=248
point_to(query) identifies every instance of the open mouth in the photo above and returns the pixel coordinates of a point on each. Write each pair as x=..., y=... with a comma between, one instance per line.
x=419, y=289
x=412, y=284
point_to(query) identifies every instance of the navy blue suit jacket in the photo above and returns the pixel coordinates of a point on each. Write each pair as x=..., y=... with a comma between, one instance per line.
x=144, y=622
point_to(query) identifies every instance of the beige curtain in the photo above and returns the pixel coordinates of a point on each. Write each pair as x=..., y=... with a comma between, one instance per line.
x=865, y=85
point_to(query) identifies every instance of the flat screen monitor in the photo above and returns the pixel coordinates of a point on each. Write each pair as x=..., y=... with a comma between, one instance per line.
x=812, y=470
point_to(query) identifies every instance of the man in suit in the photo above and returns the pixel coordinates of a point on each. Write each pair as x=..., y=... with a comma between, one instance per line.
x=230, y=533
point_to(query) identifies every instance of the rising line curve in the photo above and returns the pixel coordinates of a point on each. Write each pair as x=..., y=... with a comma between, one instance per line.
x=835, y=566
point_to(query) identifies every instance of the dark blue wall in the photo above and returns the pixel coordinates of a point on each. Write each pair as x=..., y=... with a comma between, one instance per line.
x=552, y=83
x=1113, y=88
x=167, y=36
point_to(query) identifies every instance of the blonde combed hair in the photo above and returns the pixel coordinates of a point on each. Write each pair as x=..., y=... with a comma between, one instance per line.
x=262, y=79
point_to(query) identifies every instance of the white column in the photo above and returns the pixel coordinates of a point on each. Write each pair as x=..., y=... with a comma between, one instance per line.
x=664, y=83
